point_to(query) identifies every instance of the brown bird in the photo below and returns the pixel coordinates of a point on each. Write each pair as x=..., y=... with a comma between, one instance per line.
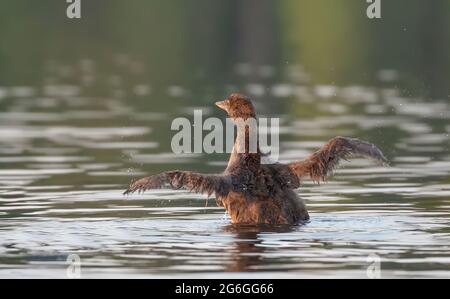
x=256, y=193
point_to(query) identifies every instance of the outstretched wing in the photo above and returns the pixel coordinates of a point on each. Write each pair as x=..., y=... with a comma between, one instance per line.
x=195, y=182
x=321, y=164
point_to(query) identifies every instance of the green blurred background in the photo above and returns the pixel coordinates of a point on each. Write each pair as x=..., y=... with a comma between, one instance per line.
x=198, y=44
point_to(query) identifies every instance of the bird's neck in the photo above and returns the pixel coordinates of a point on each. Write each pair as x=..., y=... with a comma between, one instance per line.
x=245, y=151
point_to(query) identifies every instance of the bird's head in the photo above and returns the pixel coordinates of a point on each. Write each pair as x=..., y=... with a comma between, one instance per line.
x=237, y=106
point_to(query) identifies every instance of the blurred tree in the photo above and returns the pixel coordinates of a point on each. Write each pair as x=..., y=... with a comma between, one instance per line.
x=328, y=37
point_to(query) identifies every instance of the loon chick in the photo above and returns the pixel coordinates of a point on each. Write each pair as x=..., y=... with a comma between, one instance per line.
x=256, y=193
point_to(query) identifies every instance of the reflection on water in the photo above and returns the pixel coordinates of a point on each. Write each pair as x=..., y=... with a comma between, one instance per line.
x=63, y=169
x=77, y=123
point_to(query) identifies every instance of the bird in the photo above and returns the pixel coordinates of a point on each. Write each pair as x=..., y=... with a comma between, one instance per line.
x=255, y=193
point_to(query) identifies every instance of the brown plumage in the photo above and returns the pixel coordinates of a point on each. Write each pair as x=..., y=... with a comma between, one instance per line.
x=255, y=193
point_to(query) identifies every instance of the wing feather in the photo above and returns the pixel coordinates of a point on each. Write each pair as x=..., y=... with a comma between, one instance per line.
x=194, y=182
x=321, y=164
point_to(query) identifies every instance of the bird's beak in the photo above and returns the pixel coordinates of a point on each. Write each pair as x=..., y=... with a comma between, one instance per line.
x=222, y=105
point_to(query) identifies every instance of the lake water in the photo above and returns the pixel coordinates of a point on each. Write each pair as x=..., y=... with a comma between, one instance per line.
x=66, y=157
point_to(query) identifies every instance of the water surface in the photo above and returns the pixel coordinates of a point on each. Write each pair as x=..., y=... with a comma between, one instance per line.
x=66, y=157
